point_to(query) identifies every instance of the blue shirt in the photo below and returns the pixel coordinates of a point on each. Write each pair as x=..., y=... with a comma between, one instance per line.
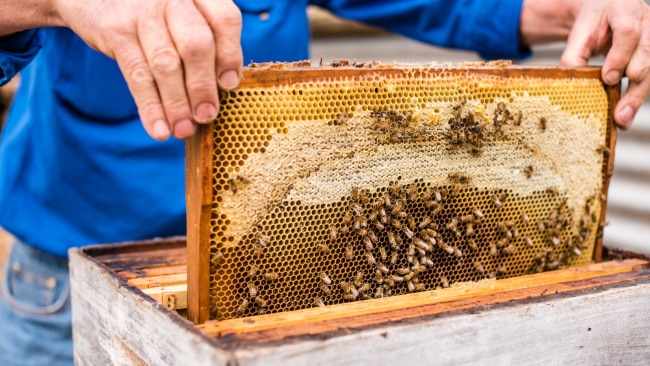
x=76, y=166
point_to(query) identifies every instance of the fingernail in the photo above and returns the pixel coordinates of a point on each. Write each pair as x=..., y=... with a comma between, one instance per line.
x=625, y=116
x=205, y=112
x=613, y=77
x=160, y=130
x=184, y=129
x=229, y=80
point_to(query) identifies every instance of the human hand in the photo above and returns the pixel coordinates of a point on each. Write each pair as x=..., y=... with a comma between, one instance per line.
x=620, y=30
x=171, y=53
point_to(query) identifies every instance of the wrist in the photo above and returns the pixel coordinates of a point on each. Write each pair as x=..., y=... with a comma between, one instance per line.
x=545, y=21
x=17, y=16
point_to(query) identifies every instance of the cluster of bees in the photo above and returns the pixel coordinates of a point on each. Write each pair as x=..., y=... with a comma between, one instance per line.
x=351, y=63
x=395, y=127
x=470, y=130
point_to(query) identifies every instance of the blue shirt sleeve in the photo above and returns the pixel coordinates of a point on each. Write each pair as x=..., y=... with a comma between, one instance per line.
x=489, y=27
x=16, y=51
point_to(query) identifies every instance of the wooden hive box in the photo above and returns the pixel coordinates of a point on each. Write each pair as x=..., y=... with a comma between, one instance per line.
x=453, y=199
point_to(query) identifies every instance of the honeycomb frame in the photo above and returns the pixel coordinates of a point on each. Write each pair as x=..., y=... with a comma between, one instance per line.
x=237, y=266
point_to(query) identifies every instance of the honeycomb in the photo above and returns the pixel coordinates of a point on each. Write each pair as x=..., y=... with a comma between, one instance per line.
x=339, y=184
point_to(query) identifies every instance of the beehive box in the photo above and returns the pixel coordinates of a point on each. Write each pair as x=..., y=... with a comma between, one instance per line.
x=355, y=181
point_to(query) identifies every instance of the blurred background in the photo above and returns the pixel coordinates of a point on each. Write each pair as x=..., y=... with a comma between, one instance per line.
x=628, y=210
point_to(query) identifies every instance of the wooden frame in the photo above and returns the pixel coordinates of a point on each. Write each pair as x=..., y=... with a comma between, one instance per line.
x=200, y=158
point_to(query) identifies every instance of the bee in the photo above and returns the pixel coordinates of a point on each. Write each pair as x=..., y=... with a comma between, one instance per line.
x=529, y=241
x=576, y=251
x=347, y=218
x=236, y=183
x=355, y=193
x=370, y=258
x=602, y=149
x=391, y=240
x=421, y=244
x=257, y=250
x=382, y=253
x=425, y=222
x=438, y=195
x=393, y=258
x=319, y=302
x=469, y=230
x=252, y=271
x=555, y=240
x=403, y=271
x=382, y=267
x=379, y=293
x=349, y=297
x=436, y=210
x=497, y=201
x=260, y=302
x=325, y=278
x=242, y=307
x=349, y=253
x=323, y=248
x=455, y=190
x=397, y=279
x=472, y=244
x=453, y=224
x=540, y=226
x=362, y=232
x=524, y=217
x=358, y=278
x=419, y=287
x=426, y=261
x=262, y=239
x=542, y=123
x=270, y=276
x=477, y=212
x=457, y=252
x=364, y=288
x=396, y=224
x=502, y=270
x=333, y=232
x=418, y=268
x=252, y=290
x=412, y=193
x=444, y=281
x=411, y=223
x=510, y=249
x=379, y=226
x=217, y=259
x=528, y=171
x=553, y=191
x=517, y=118
x=326, y=289
x=493, y=249
x=368, y=243
x=479, y=267
x=395, y=189
x=407, y=231
x=379, y=277
x=356, y=208
x=411, y=286
x=397, y=209
x=387, y=201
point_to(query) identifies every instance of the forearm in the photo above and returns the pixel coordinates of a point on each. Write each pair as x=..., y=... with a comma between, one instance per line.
x=545, y=21
x=17, y=16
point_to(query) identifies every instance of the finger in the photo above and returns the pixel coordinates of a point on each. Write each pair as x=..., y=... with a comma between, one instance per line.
x=638, y=73
x=194, y=42
x=167, y=70
x=583, y=37
x=626, y=32
x=135, y=69
x=225, y=19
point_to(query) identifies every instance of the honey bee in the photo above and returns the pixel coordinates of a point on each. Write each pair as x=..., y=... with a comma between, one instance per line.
x=391, y=240
x=553, y=191
x=347, y=218
x=477, y=213
x=368, y=243
x=323, y=248
x=260, y=302
x=356, y=208
x=510, y=249
x=438, y=195
x=358, y=278
x=262, y=239
x=540, y=226
x=393, y=257
x=396, y=224
x=349, y=253
x=379, y=226
x=370, y=258
x=379, y=293
x=252, y=289
x=493, y=249
x=236, y=183
x=407, y=231
x=419, y=287
x=425, y=222
x=364, y=288
x=576, y=251
x=379, y=277
x=502, y=269
x=252, y=271
x=479, y=267
x=319, y=302
x=325, y=278
x=457, y=252
x=333, y=232
x=349, y=297
x=382, y=267
x=444, y=281
x=217, y=259
x=411, y=286
x=397, y=279
x=403, y=271
x=524, y=217
x=555, y=240
x=528, y=171
x=242, y=307
x=395, y=189
x=469, y=230
x=472, y=244
x=529, y=241
x=382, y=253
x=387, y=201
x=412, y=193
x=418, y=268
x=270, y=276
x=257, y=250
x=542, y=123
x=411, y=223
x=397, y=208
x=426, y=261
x=436, y=210
x=326, y=289
x=496, y=201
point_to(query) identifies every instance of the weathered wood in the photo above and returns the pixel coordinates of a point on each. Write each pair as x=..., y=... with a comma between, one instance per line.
x=116, y=324
x=602, y=320
x=198, y=188
x=173, y=297
x=456, y=292
x=156, y=281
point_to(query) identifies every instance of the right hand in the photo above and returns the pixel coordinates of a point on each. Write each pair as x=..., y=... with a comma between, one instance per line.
x=172, y=53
